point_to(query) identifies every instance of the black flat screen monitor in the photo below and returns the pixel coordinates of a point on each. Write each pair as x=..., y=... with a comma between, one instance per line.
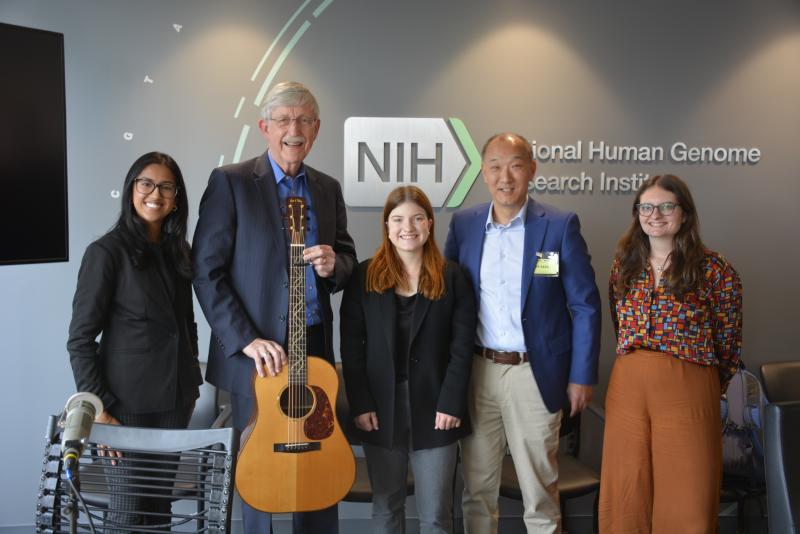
x=33, y=147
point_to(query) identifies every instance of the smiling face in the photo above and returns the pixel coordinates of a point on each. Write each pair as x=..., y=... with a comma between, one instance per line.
x=656, y=225
x=153, y=207
x=290, y=143
x=507, y=170
x=408, y=228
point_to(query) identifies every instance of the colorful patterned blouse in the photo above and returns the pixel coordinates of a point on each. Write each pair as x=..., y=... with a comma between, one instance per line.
x=705, y=327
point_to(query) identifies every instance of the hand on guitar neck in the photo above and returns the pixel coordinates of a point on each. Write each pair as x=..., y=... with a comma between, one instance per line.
x=269, y=356
x=322, y=258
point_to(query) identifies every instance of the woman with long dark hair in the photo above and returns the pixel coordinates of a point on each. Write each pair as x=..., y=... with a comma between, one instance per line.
x=676, y=307
x=134, y=289
x=407, y=331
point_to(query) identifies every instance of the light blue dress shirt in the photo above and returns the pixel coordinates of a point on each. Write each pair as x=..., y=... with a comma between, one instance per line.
x=297, y=187
x=500, y=310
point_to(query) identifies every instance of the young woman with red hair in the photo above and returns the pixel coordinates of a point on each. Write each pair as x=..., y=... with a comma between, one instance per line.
x=407, y=330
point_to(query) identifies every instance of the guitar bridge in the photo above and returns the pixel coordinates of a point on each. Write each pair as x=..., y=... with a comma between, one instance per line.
x=297, y=447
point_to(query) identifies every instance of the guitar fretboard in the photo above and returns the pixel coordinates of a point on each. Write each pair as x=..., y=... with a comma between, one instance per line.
x=297, y=313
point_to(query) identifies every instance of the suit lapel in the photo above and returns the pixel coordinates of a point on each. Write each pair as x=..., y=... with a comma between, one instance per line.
x=535, y=230
x=264, y=180
x=476, y=230
x=421, y=306
x=326, y=227
x=386, y=314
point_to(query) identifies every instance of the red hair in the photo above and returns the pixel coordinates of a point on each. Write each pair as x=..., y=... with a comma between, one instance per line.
x=386, y=270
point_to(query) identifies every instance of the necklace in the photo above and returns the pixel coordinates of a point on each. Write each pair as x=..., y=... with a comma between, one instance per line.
x=660, y=268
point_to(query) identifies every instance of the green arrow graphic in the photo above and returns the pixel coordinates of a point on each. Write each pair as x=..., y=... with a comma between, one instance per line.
x=471, y=151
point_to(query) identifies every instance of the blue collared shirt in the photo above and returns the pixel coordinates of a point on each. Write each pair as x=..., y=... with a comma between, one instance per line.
x=500, y=311
x=298, y=187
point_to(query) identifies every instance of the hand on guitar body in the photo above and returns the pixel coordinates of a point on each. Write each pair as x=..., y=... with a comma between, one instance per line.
x=322, y=258
x=446, y=422
x=269, y=356
x=367, y=421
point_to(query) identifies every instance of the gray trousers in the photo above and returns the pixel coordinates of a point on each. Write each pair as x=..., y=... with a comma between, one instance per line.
x=433, y=477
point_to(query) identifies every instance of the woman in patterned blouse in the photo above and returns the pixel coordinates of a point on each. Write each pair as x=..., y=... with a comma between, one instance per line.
x=676, y=308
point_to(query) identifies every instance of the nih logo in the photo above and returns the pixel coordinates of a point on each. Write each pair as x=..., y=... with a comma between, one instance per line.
x=382, y=153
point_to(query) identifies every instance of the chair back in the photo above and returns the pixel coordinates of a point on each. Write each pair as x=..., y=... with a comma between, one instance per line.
x=781, y=381
x=782, y=435
x=156, y=464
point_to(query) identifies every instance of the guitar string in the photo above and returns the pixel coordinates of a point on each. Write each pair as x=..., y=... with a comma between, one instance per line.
x=296, y=379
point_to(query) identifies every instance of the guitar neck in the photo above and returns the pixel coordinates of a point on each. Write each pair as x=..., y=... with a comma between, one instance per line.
x=297, y=316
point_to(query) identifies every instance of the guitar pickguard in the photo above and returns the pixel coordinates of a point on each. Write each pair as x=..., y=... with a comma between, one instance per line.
x=319, y=425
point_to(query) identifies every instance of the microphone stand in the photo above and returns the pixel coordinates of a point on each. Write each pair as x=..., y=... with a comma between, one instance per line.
x=72, y=503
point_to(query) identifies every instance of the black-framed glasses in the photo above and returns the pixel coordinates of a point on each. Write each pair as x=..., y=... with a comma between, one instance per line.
x=146, y=186
x=665, y=208
x=303, y=121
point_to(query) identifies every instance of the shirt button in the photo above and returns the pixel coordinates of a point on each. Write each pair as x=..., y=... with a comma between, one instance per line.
x=282, y=317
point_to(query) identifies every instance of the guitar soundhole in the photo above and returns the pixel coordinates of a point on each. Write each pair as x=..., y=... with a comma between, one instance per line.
x=297, y=401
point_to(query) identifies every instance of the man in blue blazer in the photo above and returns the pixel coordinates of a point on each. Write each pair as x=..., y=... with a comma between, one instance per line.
x=537, y=341
x=241, y=260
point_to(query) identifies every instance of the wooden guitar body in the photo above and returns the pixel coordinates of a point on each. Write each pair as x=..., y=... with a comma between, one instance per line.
x=295, y=457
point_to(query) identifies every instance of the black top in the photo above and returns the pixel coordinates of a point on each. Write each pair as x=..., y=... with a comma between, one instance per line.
x=404, y=307
x=169, y=277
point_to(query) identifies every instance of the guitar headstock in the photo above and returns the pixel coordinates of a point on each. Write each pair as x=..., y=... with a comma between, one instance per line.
x=296, y=216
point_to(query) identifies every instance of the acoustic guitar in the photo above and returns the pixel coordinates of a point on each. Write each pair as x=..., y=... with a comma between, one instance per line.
x=294, y=456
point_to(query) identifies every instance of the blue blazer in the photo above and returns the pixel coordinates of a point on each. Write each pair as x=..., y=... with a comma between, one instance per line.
x=560, y=315
x=241, y=261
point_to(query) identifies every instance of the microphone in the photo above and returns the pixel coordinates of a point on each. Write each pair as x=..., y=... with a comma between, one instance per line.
x=79, y=414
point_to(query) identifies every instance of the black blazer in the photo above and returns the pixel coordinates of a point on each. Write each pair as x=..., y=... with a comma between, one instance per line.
x=440, y=359
x=241, y=260
x=148, y=343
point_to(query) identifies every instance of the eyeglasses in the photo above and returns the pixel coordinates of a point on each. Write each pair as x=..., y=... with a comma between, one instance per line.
x=303, y=121
x=145, y=187
x=665, y=208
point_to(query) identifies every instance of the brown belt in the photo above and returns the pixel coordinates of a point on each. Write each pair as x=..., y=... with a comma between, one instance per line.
x=499, y=356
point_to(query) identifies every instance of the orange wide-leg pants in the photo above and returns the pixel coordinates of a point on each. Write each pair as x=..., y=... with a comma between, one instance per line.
x=662, y=450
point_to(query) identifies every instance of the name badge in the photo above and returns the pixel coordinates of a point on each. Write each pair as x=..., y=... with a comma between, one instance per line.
x=546, y=264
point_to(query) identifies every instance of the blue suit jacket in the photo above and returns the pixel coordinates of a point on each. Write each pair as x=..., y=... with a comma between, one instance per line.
x=560, y=315
x=241, y=259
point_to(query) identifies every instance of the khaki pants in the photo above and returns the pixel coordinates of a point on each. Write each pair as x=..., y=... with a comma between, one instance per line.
x=662, y=451
x=507, y=410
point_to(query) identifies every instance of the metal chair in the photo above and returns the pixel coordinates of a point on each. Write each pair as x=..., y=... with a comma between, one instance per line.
x=193, y=465
x=782, y=441
x=578, y=474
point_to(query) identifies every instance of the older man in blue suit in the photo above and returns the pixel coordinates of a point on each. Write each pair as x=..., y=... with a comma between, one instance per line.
x=241, y=259
x=537, y=341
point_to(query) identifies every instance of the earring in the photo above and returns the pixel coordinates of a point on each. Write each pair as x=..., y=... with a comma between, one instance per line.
x=175, y=208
